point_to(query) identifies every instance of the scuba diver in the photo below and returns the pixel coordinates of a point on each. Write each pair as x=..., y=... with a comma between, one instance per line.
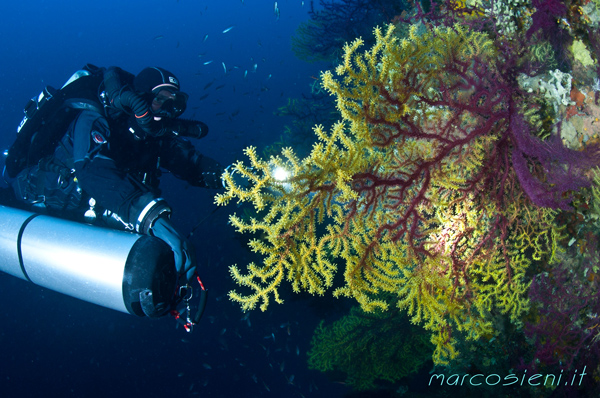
x=116, y=132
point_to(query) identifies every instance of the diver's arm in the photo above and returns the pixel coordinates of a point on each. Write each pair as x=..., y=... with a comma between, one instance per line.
x=100, y=177
x=120, y=193
x=181, y=158
x=136, y=207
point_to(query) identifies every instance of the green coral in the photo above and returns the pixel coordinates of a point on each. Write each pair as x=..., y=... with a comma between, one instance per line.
x=543, y=52
x=369, y=347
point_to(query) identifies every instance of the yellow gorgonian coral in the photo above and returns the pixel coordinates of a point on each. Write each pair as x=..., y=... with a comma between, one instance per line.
x=411, y=194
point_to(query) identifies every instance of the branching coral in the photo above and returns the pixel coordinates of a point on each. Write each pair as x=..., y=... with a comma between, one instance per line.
x=368, y=347
x=429, y=189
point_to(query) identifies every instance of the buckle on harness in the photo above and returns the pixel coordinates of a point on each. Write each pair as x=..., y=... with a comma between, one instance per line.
x=185, y=294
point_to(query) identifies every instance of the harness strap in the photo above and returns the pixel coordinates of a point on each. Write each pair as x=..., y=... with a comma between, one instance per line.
x=19, y=238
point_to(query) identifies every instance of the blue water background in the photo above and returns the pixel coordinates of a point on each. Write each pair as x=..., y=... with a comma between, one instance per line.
x=56, y=346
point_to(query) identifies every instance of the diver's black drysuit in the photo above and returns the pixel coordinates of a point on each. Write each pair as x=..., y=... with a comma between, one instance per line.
x=101, y=167
x=122, y=173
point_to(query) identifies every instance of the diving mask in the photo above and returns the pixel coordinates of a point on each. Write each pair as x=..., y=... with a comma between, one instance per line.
x=169, y=104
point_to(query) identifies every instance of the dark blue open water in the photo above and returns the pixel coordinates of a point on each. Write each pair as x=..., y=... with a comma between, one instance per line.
x=56, y=346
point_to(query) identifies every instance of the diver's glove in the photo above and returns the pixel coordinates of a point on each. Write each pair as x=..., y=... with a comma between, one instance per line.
x=185, y=255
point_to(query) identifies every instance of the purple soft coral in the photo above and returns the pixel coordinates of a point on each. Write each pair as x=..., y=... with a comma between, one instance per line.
x=562, y=168
x=566, y=303
x=546, y=17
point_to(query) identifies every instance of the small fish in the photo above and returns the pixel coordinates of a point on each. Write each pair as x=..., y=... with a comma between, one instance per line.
x=254, y=68
x=266, y=386
x=208, y=62
x=207, y=366
x=246, y=73
x=219, y=87
x=158, y=37
x=246, y=316
x=276, y=11
x=224, y=67
x=205, y=38
x=209, y=84
x=268, y=77
x=203, y=97
x=297, y=350
x=269, y=336
x=229, y=28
